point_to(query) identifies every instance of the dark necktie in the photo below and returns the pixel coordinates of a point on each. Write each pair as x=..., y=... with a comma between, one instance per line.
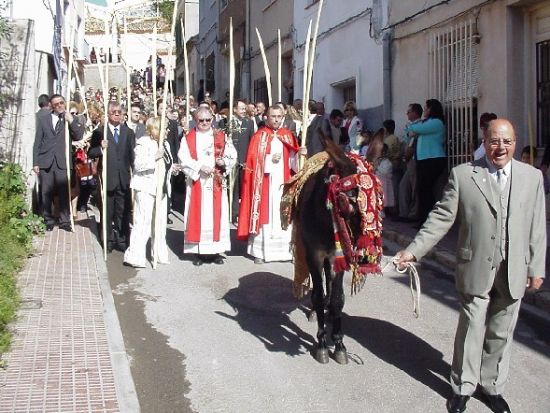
x=115, y=135
x=59, y=125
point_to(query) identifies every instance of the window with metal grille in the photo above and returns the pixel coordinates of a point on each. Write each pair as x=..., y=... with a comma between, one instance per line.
x=454, y=79
x=543, y=93
x=260, y=90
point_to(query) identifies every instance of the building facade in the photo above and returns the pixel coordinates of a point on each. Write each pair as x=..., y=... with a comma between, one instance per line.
x=474, y=56
x=349, y=55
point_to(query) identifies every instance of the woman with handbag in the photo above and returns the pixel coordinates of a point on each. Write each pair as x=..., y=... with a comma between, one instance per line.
x=85, y=167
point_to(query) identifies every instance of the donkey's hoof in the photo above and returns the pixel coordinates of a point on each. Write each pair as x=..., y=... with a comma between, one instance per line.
x=341, y=357
x=321, y=355
x=312, y=316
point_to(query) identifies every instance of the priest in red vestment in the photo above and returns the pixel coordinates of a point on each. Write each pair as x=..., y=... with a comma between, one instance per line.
x=206, y=157
x=271, y=159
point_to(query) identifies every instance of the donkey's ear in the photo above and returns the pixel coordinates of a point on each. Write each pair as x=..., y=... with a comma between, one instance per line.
x=328, y=144
x=336, y=153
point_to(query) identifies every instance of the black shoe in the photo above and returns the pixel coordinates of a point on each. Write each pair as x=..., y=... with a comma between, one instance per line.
x=109, y=249
x=498, y=404
x=66, y=227
x=120, y=247
x=169, y=221
x=197, y=261
x=218, y=260
x=457, y=403
x=49, y=227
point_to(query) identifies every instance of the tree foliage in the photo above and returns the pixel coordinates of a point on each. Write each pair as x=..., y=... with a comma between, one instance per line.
x=165, y=9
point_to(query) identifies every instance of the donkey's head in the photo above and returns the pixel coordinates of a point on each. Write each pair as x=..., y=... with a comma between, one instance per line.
x=342, y=182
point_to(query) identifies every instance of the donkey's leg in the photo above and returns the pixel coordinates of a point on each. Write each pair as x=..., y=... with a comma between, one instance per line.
x=317, y=301
x=327, y=267
x=337, y=299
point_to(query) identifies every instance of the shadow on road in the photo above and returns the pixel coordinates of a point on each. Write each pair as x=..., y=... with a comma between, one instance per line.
x=263, y=302
x=402, y=349
x=537, y=339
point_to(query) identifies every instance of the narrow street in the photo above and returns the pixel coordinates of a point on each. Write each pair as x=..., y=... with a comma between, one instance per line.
x=232, y=338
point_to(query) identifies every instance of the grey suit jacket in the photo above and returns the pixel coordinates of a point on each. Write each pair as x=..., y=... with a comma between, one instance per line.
x=468, y=196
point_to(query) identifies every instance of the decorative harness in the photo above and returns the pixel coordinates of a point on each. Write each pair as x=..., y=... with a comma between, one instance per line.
x=361, y=253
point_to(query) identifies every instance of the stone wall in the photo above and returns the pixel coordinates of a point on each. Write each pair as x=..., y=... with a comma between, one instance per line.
x=18, y=98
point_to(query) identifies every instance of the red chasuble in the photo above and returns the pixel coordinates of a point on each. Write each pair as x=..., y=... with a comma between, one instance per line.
x=193, y=230
x=254, y=208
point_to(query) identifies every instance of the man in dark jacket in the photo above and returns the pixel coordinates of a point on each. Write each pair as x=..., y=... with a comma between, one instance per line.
x=50, y=161
x=241, y=131
x=119, y=145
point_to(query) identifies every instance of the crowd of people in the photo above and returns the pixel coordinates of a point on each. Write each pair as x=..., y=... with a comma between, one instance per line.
x=232, y=173
x=208, y=158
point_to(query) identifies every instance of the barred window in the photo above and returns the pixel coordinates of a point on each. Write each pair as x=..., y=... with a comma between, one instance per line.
x=454, y=80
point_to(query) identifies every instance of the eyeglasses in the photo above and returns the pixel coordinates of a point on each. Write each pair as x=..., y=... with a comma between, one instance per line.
x=497, y=142
x=206, y=120
x=73, y=112
x=116, y=112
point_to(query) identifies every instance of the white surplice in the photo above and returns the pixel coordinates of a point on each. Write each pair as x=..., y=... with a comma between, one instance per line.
x=272, y=243
x=191, y=168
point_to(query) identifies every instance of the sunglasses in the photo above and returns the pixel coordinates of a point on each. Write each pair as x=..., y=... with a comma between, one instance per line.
x=73, y=113
x=206, y=120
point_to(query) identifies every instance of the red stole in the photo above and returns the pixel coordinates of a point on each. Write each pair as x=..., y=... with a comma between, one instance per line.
x=254, y=208
x=193, y=230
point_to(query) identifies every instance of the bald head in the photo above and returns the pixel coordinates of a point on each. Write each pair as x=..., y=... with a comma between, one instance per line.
x=500, y=142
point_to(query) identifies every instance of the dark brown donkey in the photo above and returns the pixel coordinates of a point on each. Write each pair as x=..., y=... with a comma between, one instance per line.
x=317, y=219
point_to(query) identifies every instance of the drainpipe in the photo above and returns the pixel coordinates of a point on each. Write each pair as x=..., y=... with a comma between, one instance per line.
x=386, y=74
x=246, y=75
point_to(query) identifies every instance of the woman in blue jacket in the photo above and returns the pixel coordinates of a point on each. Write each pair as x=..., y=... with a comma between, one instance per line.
x=431, y=160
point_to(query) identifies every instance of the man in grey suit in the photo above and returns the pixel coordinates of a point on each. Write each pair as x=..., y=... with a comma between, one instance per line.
x=50, y=161
x=499, y=203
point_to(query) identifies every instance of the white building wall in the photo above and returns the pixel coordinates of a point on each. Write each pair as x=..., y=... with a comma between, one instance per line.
x=42, y=12
x=345, y=52
x=268, y=17
x=506, y=58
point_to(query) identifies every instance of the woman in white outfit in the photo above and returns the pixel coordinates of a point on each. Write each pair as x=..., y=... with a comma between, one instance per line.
x=354, y=126
x=144, y=183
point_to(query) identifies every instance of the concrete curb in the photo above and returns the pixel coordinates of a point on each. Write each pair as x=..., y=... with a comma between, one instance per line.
x=535, y=305
x=124, y=382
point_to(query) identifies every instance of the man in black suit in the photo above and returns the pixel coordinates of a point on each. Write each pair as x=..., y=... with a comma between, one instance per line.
x=49, y=159
x=133, y=121
x=44, y=105
x=241, y=132
x=172, y=137
x=119, y=145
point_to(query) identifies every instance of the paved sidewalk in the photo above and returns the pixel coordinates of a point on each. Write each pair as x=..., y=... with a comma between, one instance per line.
x=67, y=353
x=444, y=254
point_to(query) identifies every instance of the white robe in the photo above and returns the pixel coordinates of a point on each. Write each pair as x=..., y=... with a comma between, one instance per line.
x=191, y=168
x=272, y=243
x=144, y=183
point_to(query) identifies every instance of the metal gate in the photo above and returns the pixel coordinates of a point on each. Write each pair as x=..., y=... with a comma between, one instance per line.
x=454, y=79
x=543, y=93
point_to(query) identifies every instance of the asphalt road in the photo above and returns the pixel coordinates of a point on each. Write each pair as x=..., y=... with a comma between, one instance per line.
x=232, y=338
